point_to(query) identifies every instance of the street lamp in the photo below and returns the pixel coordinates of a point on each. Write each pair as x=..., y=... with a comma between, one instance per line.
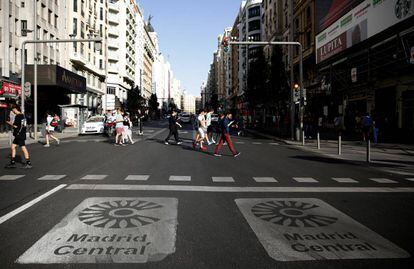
x=95, y=40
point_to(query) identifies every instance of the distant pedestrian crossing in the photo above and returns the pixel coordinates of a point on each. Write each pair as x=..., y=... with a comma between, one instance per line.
x=213, y=179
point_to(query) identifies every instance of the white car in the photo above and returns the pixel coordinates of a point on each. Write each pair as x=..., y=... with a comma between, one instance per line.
x=94, y=125
x=185, y=118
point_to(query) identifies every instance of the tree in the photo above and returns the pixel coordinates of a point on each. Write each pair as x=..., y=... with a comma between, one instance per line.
x=257, y=80
x=154, y=105
x=278, y=89
x=135, y=101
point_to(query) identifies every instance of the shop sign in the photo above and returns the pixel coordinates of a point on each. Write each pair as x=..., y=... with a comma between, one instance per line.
x=366, y=20
x=308, y=229
x=110, y=230
x=10, y=90
x=3, y=105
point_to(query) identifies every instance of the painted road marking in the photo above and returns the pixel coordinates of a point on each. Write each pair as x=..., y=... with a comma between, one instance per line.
x=265, y=179
x=180, y=178
x=137, y=177
x=344, y=180
x=222, y=179
x=257, y=143
x=403, y=173
x=383, y=180
x=240, y=143
x=125, y=187
x=303, y=229
x=29, y=204
x=305, y=180
x=94, y=177
x=11, y=177
x=274, y=144
x=52, y=177
x=410, y=179
x=110, y=230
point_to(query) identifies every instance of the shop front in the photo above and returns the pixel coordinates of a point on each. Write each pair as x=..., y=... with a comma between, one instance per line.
x=9, y=94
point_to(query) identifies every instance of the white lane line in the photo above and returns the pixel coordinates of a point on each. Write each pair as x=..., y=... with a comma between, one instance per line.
x=125, y=187
x=52, y=177
x=265, y=179
x=383, y=180
x=137, y=177
x=11, y=177
x=155, y=134
x=257, y=143
x=94, y=177
x=31, y=203
x=344, y=180
x=399, y=172
x=274, y=144
x=240, y=143
x=305, y=180
x=410, y=179
x=180, y=178
x=222, y=179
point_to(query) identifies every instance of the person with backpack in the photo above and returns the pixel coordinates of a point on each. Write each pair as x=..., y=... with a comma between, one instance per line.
x=19, y=132
x=51, y=124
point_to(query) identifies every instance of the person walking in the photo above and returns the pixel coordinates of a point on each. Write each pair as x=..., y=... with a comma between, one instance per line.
x=51, y=124
x=201, y=130
x=140, y=116
x=128, y=129
x=119, y=127
x=19, y=132
x=173, y=126
x=225, y=136
x=367, y=126
x=209, y=133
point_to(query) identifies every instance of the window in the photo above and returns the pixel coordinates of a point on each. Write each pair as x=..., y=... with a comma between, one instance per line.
x=24, y=27
x=254, y=25
x=101, y=14
x=38, y=32
x=56, y=21
x=49, y=16
x=22, y=4
x=75, y=5
x=254, y=12
x=75, y=26
x=82, y=29
x=110, y=90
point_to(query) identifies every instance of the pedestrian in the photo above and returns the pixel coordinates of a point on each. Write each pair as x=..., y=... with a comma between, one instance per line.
x=209, y=133
x=140, y=116
x=225, y=136
x=173, y=126
x=366, y=126
x=202, y=129
x=128, y=128
x=51, y=124
x=119, y=127
x=10, y=122
x=19, y=132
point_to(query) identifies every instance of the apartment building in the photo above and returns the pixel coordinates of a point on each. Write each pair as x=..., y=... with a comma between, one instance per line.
x=122, y=35
x=149, y=58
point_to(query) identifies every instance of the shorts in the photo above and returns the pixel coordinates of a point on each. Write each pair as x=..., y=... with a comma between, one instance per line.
x=21, y=142
x=201, y=132
x=119, y=130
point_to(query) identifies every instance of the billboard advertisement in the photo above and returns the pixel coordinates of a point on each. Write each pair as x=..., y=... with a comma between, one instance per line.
x=362, y=22
x=329, y=11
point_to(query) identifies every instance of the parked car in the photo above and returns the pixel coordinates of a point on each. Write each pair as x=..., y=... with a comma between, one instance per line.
x=94, y=125
x=185, y=117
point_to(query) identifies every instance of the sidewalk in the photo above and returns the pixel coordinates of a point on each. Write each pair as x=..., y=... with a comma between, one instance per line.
x=393, y=158
x=5, y=140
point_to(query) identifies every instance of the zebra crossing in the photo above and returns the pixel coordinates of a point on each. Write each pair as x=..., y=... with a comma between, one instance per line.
x=214, y=179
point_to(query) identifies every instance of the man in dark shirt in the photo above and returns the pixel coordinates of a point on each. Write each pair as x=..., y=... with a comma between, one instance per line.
x=19, y=133
x=225, y=136
x=173, y=128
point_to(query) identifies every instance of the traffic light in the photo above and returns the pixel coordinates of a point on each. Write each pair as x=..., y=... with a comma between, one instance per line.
x=296, y=93
x=225, y=44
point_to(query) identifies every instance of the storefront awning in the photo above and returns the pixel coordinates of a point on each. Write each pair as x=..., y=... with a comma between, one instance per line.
x=56, y=76
x=10, y=90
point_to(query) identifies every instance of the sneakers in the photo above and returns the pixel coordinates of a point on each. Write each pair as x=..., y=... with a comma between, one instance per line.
x=11, y=166
x=203, y=148
x=237, y=154
x=179, y=143
x=166, y=143
x=217, y=155
x=27, y=166
x=58, y=141
x=46, y=146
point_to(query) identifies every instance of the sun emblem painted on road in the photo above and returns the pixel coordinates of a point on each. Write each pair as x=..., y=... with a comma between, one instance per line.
x=119, y=214
x=291, y=214
x=402, y=8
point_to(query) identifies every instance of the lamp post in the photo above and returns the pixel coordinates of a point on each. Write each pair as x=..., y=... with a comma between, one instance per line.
x=95, y=40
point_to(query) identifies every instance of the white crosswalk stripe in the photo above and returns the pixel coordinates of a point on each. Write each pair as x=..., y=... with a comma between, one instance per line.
x=257, y=143
x=410, y=179
x=274, y=144
x=137, y=177
x=305, y=180
x=52, y=177
x=265, y=179
x=94, y=177
x=344, y=180
x=383, y=180
x=180, y=178
x=222, y=179
x=11, y=177
x=240, y=143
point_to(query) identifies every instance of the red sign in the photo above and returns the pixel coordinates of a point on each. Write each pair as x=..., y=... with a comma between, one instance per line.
x=10, y=90
x=333, y=47
x=3, y=105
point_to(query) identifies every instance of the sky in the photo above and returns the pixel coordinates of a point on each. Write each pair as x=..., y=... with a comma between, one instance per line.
x=187, y=32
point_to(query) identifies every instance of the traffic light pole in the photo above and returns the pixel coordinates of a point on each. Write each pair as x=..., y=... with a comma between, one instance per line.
x=284, y=43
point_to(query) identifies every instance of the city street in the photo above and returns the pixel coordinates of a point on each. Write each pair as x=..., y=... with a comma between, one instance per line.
x=89, y=204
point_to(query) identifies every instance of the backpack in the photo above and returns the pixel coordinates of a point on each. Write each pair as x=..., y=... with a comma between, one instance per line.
x=54, y=123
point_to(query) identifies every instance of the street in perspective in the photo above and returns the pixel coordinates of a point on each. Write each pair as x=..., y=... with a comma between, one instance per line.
x=207, y=134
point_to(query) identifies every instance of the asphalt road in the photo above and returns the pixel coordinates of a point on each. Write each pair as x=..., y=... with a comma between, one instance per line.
x=274, y=206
